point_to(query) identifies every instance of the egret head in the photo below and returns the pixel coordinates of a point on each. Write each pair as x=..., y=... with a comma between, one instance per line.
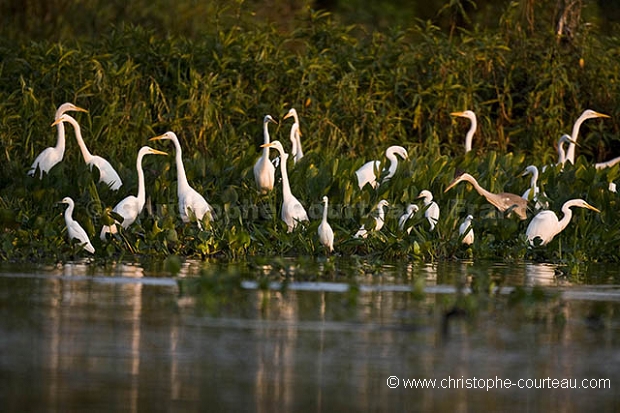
x=62, y=118
x=66, y=200
x=66, y=107
x=531, y=169
x=465, y=114
x=268, y=119
x=147, y=150
x=168, y=135
x=583, y=204
x=325, y=200
x=383, y=203
x=462, y=177
x=277, y=145
x=397, y=150
x=412, y=209
x=589, y=114
x=427, y=195
x=291, y=113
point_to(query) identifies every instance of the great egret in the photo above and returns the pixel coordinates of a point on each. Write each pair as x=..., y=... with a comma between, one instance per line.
x=587, y=114
x=545, y=225
x=293, y=211
x=503, y=201
x=466, y=230
x=432, y=210
x=379, y=216
x=53, y=155
x=74, y=229
x=190, y=201
x=130, y=207
x=532, y=192
x=296, y=151
x=474, y=124
x=366, y=174
x=409, y=212
x=561, y=152
x=107, y=174
x=264, y=170
x=326, y=234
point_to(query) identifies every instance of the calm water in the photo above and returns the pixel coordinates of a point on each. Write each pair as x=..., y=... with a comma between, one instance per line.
x=132, y=338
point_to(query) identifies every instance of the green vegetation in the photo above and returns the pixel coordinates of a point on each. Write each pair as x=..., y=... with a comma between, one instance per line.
x=357, y=92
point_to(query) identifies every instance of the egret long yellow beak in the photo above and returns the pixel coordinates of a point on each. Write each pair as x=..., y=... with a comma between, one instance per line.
x=157, y=138
x=79, y=109
x=458, y=114
x=56, y=122
x=456, y=181
x=592, y=208
x=156, y=152
x=267, y=145
x=602, y=115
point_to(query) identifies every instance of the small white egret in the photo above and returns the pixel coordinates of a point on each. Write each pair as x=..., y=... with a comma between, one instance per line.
x=296, y=152
x=264, y=170
x=379, y=216
x=545, y=225
x=432, y=210
x=472, y=129
x=74, y=229
x=130, y=207
x=366, y=173
x=293, y=211
x=107, y=174
x=587, y=114
x=49, y=157
x=561, y=152
x=533, y=191
x=503, y=201
x=409, y=213
x=191, y=203
x=326, y=234
x=466, y=230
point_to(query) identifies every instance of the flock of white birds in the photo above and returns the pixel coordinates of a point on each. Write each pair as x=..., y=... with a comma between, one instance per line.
x=544, y=226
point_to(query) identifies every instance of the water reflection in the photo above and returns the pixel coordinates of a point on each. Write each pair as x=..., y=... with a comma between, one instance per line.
x=74, y=340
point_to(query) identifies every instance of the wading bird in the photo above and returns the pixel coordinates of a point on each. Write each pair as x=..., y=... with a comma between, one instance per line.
x=130, y=207
x=53, y=155
x=326, y=234
x=561, y=152
x=532, y=192
x=293, y=211
x=545, y=225
x=504, y=201
x=264, y=171
x=587, y=114
x=191, y=203
x=466, y=230
x=74, y=229
x=379, y=216
x=366, y=173
x=409, y=213
x=296, y=151
x=432, y=209
x=107, y=174
x=472, y=130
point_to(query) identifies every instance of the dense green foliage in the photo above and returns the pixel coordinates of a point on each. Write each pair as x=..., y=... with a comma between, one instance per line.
x=356, y=95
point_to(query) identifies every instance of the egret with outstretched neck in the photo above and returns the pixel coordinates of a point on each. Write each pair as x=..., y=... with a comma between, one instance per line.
x=51, y=156
x=472, y=129
x=326, y=234
x=74, y=229
x=545, y=225
x=366, y=173
x=264, y=171
x=587, y=114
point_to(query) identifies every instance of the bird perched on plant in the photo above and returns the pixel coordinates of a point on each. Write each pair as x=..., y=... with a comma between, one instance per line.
x=295, y=135
x=409, y=213
x=191, y=203
x=74, y=229
x=545, y=225
x=432, y=209
x=264, y=170
x=466, y=230
x=49, y=157
x=366, y=173
x=326, y=234
x=379, y=217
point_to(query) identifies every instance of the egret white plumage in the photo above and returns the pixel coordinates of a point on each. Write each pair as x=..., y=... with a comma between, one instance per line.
x=191, y=203
x=466, y=230
x=107, y=174
x=379, y=216
x=503, y=201
x=432, y=210
x=587, y=114
x=366, y=173
x=295, y=136
x=74, y=229
x=326, y=234
x=545, y=225
x=472, y=129
x=130, y=207
x=264, y=170
x=561, y=152
x=531, y=194
x=409, y=213
x=293, y=211
x=49, y=157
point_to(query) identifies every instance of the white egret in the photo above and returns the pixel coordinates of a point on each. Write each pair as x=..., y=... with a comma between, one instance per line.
x=49, y=157
x=432, y=210
x=545, y=225
x=296, y=151
x=608, y=164
x=561, y=152
x=532, y=192
x=107, y=174
x=366, y=174
x=264, y=170
x=409, y=213
x=191, y=203
x=130, y=207
x=587, y=114
x=472, y=130
x=326, y=234
x=466, y=230
x=379, y=216
x=74, y=229
x=293, y=211
x=503, y=201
